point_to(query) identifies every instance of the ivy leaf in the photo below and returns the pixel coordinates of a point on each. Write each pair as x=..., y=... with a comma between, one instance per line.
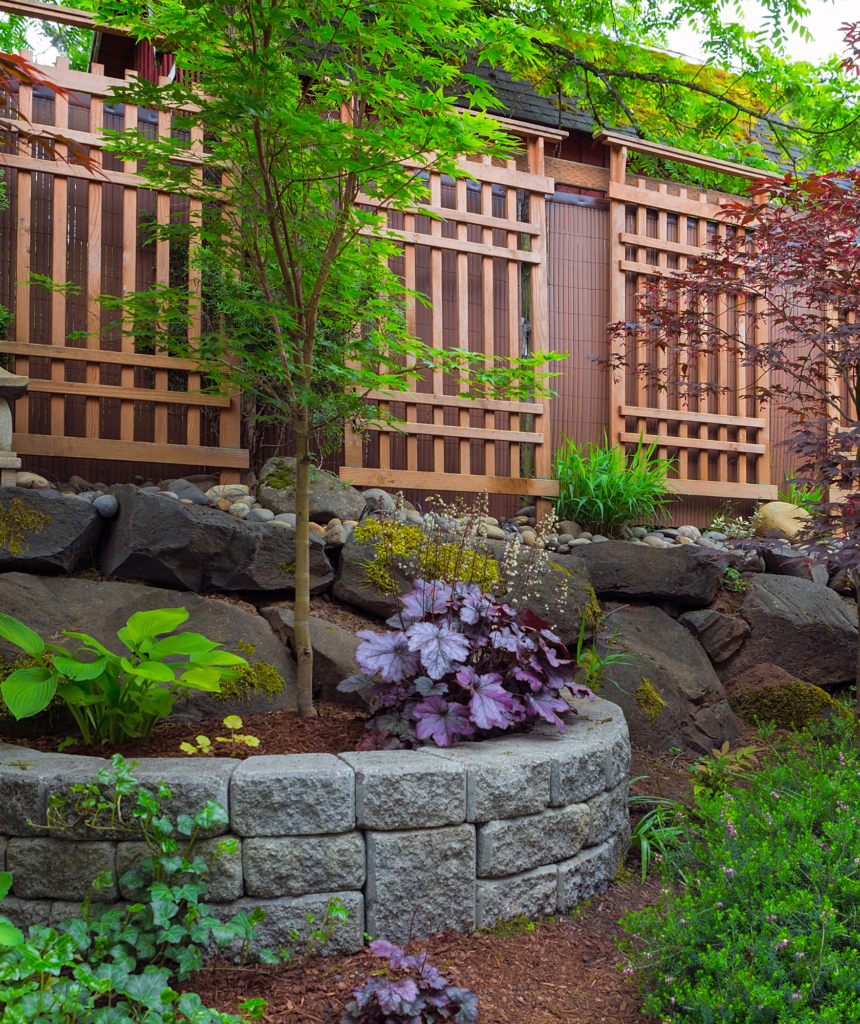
x=545, y=703
x=386, y=653
x=440, y=721
x=440, y=647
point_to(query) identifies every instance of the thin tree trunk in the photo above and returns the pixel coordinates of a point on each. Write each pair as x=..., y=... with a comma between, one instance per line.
x=304, y=650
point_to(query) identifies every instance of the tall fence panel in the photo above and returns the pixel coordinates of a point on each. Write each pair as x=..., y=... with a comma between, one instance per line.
x=82, y=219
x=721, y=444
x=483, y=268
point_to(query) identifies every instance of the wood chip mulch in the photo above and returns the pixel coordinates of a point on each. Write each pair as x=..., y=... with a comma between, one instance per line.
x=337, y=727
x=564, y=972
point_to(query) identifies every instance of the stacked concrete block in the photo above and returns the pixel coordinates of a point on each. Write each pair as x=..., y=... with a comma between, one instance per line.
x=411, y=842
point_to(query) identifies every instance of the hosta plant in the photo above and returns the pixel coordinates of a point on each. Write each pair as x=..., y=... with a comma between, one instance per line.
x=113, y=697
x=459, y=664
x=408, y=990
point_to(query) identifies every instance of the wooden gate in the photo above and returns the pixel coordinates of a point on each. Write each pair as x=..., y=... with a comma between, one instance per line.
x=82, y=217
x=483, y=268
x=721, y=444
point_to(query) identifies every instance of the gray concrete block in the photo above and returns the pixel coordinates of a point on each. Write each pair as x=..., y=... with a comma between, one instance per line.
x=224, y=881
x=291, y=795
x=24, y=913
x=533, y=893
x=503, y=780
x=514, y=845
x=589, y=872
x=288, y=913
x=26, y=777
x=192, y=782
x=300, y=865
x=60, y=870
x=66, y=910
x=578, y=764
x=400, y=789
x=608, y=814
x=422, y=880
x=3, y=843
x=618, y=765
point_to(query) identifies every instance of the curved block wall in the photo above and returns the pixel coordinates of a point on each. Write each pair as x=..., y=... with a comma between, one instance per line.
x=418, y=840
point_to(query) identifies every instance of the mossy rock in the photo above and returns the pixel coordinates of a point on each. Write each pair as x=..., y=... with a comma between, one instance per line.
x=792, y=704
x=330, y=497
x=42, y=532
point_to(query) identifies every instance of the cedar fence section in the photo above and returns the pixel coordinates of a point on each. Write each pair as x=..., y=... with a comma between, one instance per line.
x=721, y=444
x=95, y=396
x=484, y=269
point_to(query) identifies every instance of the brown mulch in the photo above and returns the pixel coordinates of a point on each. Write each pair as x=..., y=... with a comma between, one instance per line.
x=337, y=727
x=564, y=972
x=729, y=601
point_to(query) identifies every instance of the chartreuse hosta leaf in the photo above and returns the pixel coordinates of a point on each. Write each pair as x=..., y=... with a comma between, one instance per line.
x=29, y=691
x=74, y=668
x=20, y=635
x=161, y=620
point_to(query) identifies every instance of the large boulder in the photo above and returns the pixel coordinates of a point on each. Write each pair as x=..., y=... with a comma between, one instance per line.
x=44, y=532
x=806, y=629
x=684, y=574
x=334, y=651
x=50, y=604
x=355, y=582
x=665, y=658
x=160, y=540
x=720, y=635
x=780, y=519
x=767, y=693
x=330, y=498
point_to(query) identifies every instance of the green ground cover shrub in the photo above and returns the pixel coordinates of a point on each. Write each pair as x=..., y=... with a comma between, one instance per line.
x=604, y=489
x=760, y=921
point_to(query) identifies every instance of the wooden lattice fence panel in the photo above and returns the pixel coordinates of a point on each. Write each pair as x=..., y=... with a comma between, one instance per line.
x=98, y=396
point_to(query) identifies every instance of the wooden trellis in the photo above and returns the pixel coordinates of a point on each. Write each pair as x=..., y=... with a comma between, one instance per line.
x=483, y=267
x=98, y=396
x=721, y=443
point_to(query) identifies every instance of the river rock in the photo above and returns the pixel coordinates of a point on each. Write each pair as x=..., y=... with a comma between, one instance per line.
x=780, y=519
x=379, y=500
x=185, y=489
x=697, y=715
x=330, y=498
x=43, y=532
x=195, y=548
x=50, y=604
x=804, y=628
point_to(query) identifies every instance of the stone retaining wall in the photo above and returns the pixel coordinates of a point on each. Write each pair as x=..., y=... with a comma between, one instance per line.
x=422, y=840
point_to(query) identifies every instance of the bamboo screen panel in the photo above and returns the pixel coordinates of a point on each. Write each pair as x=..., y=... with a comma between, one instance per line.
x=483, y=270
x=720, y=443
x=94, y=393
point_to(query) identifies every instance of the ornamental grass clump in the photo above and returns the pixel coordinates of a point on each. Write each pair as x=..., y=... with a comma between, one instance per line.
x=458, y=664
x=605, y=489
x=759, y=922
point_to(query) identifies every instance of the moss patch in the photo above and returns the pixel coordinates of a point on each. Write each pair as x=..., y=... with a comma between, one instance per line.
x=649, y=701
x=18, y=523
x=397, y=543
x=591, y=612
x=282, y=478
x=286, y=570
x=790, y=705
x=260, y=677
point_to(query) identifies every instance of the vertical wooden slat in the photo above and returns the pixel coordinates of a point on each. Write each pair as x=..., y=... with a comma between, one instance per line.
x=617, y=284
x=409, y=282
x=513, y=468
x=462, y=200
x=540, y=322
x=59, y=245
x=94, y=262
x=22, y=258
x=195, y=285
x=436, y=313
x=129, y=273
x=489, y=338
x=162, y=275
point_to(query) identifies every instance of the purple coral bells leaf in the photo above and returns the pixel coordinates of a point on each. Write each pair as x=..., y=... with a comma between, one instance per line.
x=441, y=721
x=386, y=653
x=427, y=688
x=490, y=704
x=468, y=1003
x=354, y=684
x=439, y=646
x=545, y=703
x=432, y=598
x=382, y=947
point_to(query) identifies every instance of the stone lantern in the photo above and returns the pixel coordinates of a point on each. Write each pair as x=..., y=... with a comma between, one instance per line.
x=12, y=387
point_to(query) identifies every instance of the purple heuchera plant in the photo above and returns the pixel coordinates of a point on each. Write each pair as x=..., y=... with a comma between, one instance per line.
x=409, y=992
x=460, y=665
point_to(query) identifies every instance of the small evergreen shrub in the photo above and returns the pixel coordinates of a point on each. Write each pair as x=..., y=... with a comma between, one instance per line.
x=759, y=923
